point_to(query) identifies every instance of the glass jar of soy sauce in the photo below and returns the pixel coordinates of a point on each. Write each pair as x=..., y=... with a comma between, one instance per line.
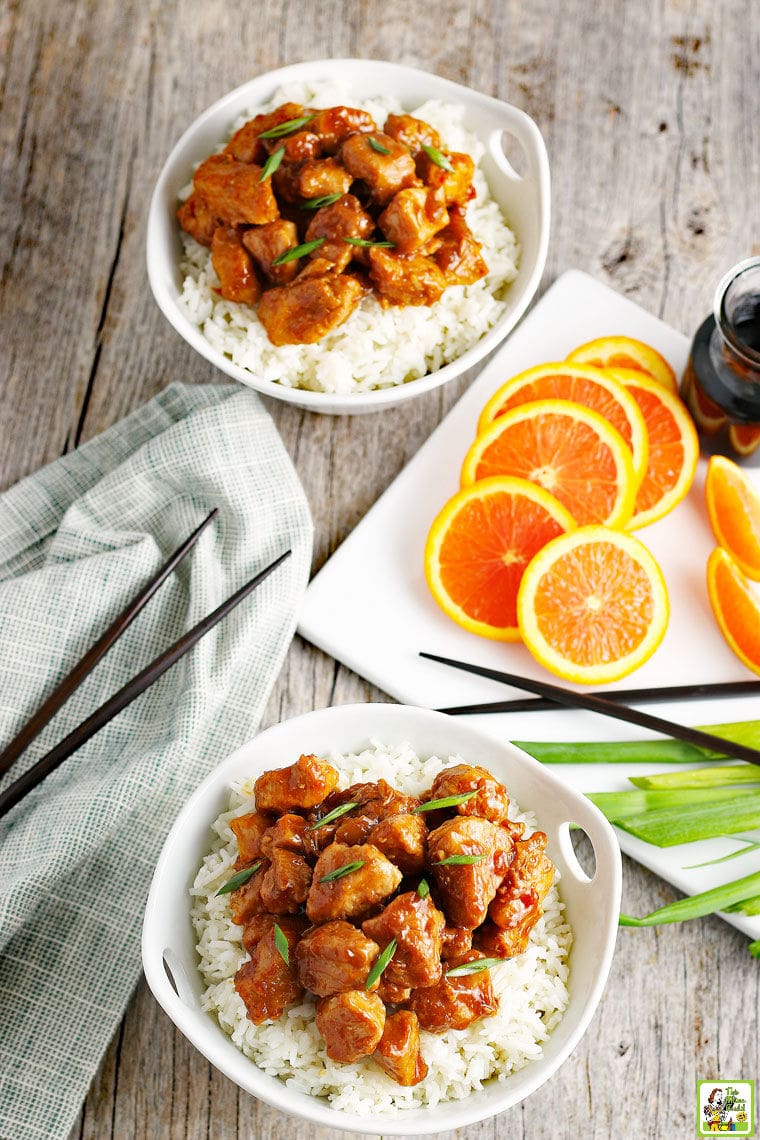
x=721, y=384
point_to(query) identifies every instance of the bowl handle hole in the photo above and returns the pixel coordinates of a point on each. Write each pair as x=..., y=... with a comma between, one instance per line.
x=510, y=154
x=578, y=851
x=178, y=980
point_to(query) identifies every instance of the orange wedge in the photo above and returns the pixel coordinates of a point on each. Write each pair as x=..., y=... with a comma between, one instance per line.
x=479, y=546
x=673, y=447
x=592, y=605
x=744, y=438
x=733, y=505
x=583, y=385
x=736, y=607
x=626, y=352
x=570, y=451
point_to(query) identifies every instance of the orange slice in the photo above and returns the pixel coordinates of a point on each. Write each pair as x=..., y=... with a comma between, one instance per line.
x=569, y=450
x=583, y=385
x=626, y=352
x=673, y=447
x=736, y=607
x=479, y=546
x=707, y=415
x=744, y=438
x=593, y=605
x=733, y=505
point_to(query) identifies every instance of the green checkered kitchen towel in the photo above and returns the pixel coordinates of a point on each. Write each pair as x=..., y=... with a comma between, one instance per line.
x=77, y=540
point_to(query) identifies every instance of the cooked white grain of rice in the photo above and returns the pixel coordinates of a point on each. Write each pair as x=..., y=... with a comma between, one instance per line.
x=532, y=987
x=376, y=347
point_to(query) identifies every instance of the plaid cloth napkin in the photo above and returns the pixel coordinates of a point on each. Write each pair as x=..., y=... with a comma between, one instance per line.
x=77, y=540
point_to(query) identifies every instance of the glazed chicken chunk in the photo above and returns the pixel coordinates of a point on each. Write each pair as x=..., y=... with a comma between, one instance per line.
x=260, y=924
x=417, y=925
x=411, y=132
x=286, y=882
x=412, y=217
x=233, y=266
x=343, y=219
x=405, y=278
x=266, y=243
x=266, y=984
x=355, y=892
x=234, y=193
x=384, y=173
x=246, y=146
x=301, y=785
x=467, y=889
x=304, y=312
x=403, y=838
x=398, y=1053
x=454, y=1003
x=335, y=957
x=376, y=802
x=458, y=256
x=336, y=123
x=321, y=177
x=516, y=907
x=490, y=801
x=197, y=219
x=249, y=831
x=455, y=184
x=246, y=902
x=351, y=1024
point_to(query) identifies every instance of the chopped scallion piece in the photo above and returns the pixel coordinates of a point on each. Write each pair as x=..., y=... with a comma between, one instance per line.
x=286, y=128
x=336, y=813
x=281, y=943
x=339, y=872
x=318, y=203
x=380, y=963
x=368, y=243
x=423, y=890
x=240, y=879
x=298, y=251
x=460, y=860
x=475, y=967
x=272, y=163
x=377, y=146
x=435, y=156
x=445, y=802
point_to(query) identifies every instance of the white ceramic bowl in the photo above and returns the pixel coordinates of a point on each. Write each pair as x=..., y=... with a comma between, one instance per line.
x=524, y=200
x=592, y=905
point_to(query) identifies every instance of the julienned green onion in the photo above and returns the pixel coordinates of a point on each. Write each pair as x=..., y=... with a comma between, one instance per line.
x=240, y=879
x=754, y=948
x=666, y=827
x=695, y=906
x=663, y=751
x=423, y=890
x=298, y=251
x=272, y=163
x=474, y=967
x=318, y=203
x=377, y=146
x=618, y=806
x=380, y=963
x=746, y=846
x=435, y=156
x=281, y=943
x=445, y=802
x=706, y=778
x=286, y=128
x=336, y=813
x=366, y=242
x=460, y=860
x=339, y=872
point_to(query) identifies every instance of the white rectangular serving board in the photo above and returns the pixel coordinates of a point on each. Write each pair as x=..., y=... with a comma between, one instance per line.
x=370, y=608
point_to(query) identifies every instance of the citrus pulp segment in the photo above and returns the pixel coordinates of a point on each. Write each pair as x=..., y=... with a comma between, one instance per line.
x=736, y=607
x=593, y=605
x=582, y=384
x=673, y=447
x=744, y=438
x=733, y=506
x=478, y=548
x=626, y=352
x=569, y=450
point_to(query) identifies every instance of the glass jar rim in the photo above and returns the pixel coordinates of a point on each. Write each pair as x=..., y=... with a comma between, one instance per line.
x=750, y=355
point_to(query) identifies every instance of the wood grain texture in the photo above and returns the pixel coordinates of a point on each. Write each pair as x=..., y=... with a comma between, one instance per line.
x=651, y=114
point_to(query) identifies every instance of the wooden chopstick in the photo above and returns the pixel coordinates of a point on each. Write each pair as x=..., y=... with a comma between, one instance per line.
x=114, y=705
x=73, y=680
x=592, y=701
x=635, y=696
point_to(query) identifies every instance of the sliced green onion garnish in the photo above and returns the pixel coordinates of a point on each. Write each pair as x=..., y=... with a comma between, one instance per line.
x=380, y=963
x=272, y=163
x=366, y=242
x=445, y=802
x=286, y=128
x=240, y=879
x=318, y=203
x=474, y=967
x=665, y=827
x=281, y=943
x=435, y=156
x=298, y=251
x=719, y=898
x=423, y=890
x=459, y=860
x=339, y=872
x=377, y=146
x=336, y=813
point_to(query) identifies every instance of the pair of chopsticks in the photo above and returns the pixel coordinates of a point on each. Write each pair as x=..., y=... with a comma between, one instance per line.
x=608, y=705
x=119, y=701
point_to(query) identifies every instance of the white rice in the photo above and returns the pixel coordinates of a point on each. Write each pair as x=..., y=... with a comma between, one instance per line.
x=376, y=347
x=532, y=987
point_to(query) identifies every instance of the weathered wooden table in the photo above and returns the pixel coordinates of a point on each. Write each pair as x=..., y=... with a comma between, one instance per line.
x=651, y=113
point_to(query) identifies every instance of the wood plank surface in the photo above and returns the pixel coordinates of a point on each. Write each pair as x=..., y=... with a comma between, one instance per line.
x=651, y=114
